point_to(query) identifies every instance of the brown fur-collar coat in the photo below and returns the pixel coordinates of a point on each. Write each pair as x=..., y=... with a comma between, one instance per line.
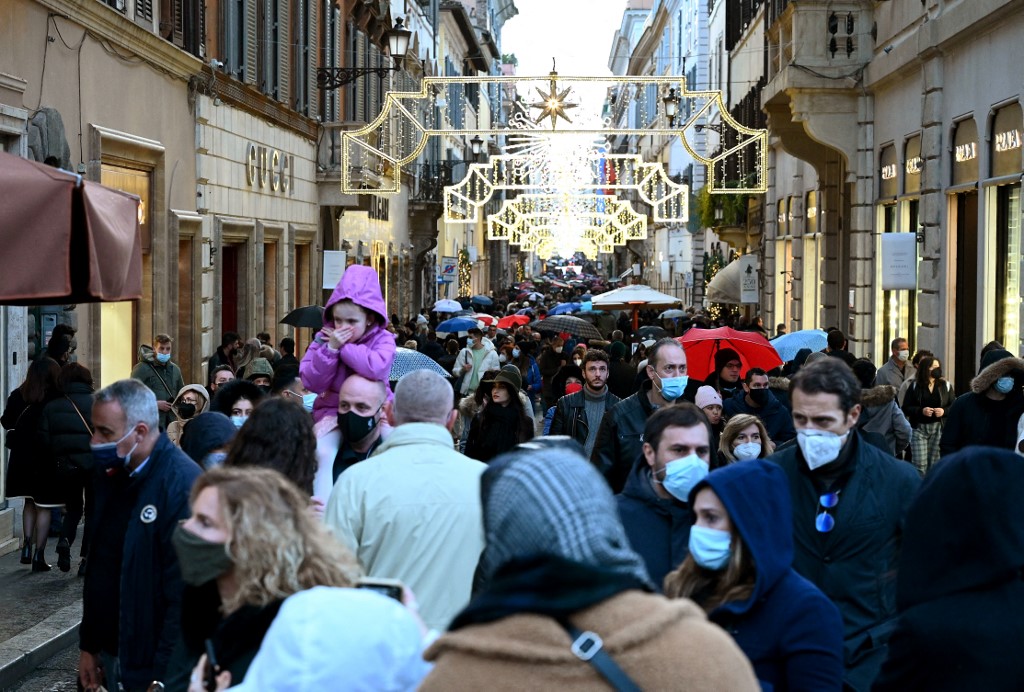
x=660, y=644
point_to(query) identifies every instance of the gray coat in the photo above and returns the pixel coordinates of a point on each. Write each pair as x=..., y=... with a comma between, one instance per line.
x=881, y=414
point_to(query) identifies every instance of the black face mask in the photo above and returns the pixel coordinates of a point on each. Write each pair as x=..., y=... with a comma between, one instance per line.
x=186, y=410
x=937, y=373
x=265, y=388
x=759, y=396
x=355, y=428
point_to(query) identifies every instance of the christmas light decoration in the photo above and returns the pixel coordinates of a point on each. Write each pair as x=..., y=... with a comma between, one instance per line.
x=373, y=156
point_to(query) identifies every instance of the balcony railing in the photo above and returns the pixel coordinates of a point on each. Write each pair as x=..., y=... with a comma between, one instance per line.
x=430, y=179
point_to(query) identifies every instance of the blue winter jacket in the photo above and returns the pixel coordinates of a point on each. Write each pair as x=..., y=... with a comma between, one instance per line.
x=791, y=632
x=658, y=529
x=777, y=419
x=150, y=582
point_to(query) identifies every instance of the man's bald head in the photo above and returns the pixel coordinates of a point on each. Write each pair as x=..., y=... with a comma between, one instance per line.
x=422, y=396
x=361, y=395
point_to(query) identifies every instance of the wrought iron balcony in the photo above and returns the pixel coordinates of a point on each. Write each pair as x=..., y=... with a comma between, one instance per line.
x=430, y=179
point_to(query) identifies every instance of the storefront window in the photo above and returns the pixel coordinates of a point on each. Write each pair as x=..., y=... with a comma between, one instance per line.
x=812, y=263
x=125, y=325
x=301, y=275
x=898, y=308
x=1008, y=286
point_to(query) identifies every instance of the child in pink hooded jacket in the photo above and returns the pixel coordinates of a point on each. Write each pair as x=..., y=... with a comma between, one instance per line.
x=353, y=340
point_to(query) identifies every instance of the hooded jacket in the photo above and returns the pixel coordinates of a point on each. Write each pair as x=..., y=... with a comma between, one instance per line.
x=959, y=588
x=490, y=362
x=175, y=429
x=164, y=379
x=791, y=632
x=324, y=370
x=777, y=419
x=881, y=414
x=975, y=419
x=658, y=529
x=855, y=563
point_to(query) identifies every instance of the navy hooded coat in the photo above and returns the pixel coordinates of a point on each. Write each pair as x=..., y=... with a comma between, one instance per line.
x=960, y=588
x=791, y=632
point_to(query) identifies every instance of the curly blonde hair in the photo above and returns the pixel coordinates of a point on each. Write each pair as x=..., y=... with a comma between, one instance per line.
x=278, y=547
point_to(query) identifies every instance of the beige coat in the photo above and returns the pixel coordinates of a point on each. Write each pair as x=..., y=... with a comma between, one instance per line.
x=660, y=644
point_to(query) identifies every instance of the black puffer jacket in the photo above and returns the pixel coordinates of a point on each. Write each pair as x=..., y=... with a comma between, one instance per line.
x=62, y=433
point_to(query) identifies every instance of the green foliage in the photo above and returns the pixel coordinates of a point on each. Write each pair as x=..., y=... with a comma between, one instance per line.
x=733, y=206
x=509, y=59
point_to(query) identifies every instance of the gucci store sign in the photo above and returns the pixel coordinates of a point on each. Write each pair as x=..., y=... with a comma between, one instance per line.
x=269, y=168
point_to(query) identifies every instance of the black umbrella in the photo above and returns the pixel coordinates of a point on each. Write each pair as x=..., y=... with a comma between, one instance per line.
x=569, y=324
x=311, y=316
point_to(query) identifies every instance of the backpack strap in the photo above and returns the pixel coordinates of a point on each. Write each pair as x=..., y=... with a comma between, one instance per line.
x=589, y=647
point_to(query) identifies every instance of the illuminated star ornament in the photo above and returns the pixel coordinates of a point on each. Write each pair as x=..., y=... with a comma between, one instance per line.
x=553, y=104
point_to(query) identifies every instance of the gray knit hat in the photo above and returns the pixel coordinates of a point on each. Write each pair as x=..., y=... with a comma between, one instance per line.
x=549, y=500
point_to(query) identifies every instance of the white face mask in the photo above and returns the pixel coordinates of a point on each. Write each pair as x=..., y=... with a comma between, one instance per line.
x=502, y=358
x=747, y=450
x=819, y=447
x=903, y=356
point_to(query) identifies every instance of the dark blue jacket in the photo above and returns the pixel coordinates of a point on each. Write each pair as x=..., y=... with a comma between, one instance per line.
x=777, y=419
x=150, y=585
x=855, y=563
x=658, y=529
x=960, y=589
x=790, y=631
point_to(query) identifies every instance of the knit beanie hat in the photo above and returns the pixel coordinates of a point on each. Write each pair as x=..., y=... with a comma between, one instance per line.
x=994, y=356
x=707, y=396
x=552, y=501
x=617, y=350
x=724, y=356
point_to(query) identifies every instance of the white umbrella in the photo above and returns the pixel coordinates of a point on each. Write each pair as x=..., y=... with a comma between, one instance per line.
x=634, y=296
x=669, y=314
x=724, y=286
x=447, y=305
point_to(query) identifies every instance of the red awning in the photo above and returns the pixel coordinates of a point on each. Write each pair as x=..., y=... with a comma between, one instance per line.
x=64, y=240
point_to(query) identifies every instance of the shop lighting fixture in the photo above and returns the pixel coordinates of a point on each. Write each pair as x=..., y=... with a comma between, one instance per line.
x=330, y=78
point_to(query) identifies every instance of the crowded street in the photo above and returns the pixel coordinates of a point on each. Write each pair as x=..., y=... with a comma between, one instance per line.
x=511, y=345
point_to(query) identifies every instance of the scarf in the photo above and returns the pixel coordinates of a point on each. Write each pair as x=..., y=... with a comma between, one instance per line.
x=545, y=585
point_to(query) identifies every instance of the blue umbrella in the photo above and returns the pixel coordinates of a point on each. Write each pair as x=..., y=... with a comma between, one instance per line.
x=787, y=345
x=525, y=311
x=565, y=308
x=482, y=300
x=407, y=360
x=457, y=324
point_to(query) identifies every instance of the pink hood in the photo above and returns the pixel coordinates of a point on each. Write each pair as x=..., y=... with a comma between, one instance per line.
x=359, y=284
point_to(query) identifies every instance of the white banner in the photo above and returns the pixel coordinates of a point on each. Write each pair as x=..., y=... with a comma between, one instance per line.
x=899, y=261
x=748, y=279
x=334, y=267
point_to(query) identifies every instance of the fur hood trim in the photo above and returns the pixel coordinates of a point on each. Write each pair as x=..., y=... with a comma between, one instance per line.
x=987, y=377
x=468, y=406
x=779, y=383
x=878, y=396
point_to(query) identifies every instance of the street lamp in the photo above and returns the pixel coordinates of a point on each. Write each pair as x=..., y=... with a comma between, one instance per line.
x=330, y=78
x=671, y=102
x=476, y=145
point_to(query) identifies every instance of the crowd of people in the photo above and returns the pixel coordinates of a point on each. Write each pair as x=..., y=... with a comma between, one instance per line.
x=553, y=511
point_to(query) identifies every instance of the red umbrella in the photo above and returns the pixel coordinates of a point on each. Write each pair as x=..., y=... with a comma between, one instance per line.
x=506, y=322
x=701, y=345
x=488, y=320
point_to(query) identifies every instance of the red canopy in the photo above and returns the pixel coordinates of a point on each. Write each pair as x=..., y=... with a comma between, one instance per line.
x=65, y=240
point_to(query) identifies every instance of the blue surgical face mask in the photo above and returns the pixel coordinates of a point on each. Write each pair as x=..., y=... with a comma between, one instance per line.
x=710, y=548
x=307, y=400
x=515, y=353
x=105, y=455
x=214, y=459
x=683, y=474
x=163, y=358
x=239, y=421
x=673, y=387
x=1004, y=385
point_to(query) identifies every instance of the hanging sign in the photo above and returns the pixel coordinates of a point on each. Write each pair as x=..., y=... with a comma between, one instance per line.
x=899, y=261
x=334, y=267
x=748, y=279
x=449, y=269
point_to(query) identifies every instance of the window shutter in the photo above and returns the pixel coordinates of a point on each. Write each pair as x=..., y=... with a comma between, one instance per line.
x=299, y=58
x=335, y=43
x=312, y=40
x=144, y=10
x=359, y=84
x=201, y=48
x=178, y=35
x=374, y=84
x=251, y=41
x=284, y=42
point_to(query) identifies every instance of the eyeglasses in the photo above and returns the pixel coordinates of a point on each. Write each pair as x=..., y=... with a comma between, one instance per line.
x=825, y=522
x=734, y=365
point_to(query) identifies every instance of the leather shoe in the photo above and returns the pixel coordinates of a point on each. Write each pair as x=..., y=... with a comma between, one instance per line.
x=26, y=554
x=64, y=555
x=39, y=562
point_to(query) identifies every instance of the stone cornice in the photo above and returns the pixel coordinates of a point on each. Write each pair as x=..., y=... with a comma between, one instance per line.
x=111, y=25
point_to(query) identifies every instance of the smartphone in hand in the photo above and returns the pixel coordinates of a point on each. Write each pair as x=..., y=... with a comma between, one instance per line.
x=212, y=668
